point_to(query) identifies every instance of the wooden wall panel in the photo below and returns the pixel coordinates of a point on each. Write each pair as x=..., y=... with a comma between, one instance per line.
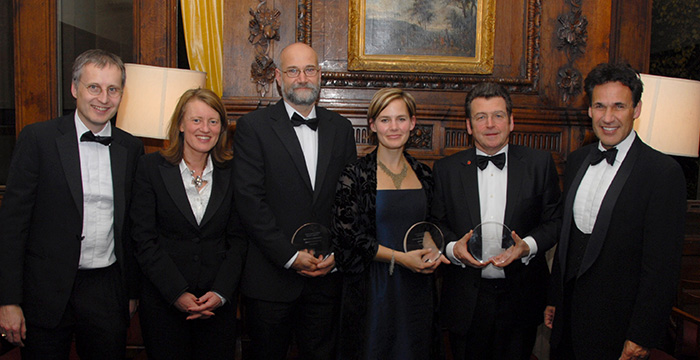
x=528, y=59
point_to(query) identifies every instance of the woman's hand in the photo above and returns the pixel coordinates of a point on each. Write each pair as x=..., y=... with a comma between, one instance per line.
x=198, y=308
x=419, y=261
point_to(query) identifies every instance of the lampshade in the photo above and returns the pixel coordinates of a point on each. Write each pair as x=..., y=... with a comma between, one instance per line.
x=150, y=96
x=670, y=118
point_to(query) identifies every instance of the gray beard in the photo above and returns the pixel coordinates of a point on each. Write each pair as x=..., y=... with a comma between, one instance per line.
x=298, y=99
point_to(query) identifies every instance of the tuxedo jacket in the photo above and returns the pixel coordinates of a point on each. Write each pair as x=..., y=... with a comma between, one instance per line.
x=274, y=195
x=175, y=253
x=532, y=209
x=626, y=283
x=42, y=217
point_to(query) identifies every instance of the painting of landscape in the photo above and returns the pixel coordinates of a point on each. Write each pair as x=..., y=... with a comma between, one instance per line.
x=421, y=27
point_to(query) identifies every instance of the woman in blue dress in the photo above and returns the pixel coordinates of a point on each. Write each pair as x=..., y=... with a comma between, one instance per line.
x=388, y=294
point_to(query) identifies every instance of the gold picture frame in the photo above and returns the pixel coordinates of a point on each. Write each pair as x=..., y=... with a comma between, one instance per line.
x=476, y=60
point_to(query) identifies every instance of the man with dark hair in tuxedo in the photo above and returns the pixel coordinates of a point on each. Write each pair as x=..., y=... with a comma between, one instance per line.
x=616, y=267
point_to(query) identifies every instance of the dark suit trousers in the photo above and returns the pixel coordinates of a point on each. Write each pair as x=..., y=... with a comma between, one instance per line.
x=313, y=319
x=167, y=335
x=97, y=314
x=494, y=332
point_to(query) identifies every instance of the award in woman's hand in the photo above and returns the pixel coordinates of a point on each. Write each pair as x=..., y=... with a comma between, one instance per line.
x=425, y=235
x=313, y=237
x=489, y=239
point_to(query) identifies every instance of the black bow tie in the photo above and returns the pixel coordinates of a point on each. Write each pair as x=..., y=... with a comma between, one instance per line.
x=483, y=161
x=608, y=155
x=89, y=136
x=298, y=120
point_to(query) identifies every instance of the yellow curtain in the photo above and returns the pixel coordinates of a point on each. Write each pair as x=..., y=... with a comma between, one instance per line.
x=203, y=26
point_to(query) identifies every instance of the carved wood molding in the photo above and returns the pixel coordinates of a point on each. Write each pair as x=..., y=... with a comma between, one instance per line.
x=572, y=38
x=527, y=84
x=304, y=21
x=264, y=28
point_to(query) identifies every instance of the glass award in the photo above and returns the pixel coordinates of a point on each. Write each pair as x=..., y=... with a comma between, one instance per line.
x=313, y=237
x=489, y=239
x=425, y=235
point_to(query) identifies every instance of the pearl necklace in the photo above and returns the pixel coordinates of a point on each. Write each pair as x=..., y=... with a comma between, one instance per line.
x=396, y=178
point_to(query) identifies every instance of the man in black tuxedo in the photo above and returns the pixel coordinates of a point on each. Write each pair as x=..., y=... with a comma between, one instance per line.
x=66, y=259
x=491, y=308
x=616, y=268
x=287, y=160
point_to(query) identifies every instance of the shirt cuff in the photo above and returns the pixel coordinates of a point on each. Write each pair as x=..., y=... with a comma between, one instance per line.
x=449, y=252
x=223, y=299
x=530, y=241
x=291, y=261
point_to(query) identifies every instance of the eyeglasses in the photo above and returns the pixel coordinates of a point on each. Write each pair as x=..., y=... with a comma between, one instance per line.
x=308, y=71
x=94, y=89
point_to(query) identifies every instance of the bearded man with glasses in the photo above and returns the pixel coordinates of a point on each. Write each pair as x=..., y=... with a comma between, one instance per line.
x=287, y=161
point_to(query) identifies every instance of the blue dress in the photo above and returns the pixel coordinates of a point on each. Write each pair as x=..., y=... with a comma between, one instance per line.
x=400, y=311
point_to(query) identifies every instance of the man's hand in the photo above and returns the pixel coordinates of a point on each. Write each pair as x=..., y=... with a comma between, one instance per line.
x=549, y=316
x=12, y=325
x=133, y=306
x=461, y=252
x=305, y=261
x=632, y=351
x=323, y=267
x=515, y=252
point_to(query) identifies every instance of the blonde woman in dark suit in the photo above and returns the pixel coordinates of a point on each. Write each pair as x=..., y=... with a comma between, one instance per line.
x=188, y=238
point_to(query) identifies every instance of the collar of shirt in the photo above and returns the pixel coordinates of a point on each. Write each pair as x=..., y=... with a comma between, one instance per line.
x=622, y=149
x=186, y=173
x=291, y=111
x=503, y=150
x=80, y=128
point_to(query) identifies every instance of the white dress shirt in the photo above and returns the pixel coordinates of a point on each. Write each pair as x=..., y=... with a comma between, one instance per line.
x=595, y=184
x=199, y=199
x=492, y=183
x=308, y=139
x=97, y=245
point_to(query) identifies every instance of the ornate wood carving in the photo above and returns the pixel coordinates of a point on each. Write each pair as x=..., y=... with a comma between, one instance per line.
x=572, y=37
x=264, y=28
x=304, y=21
x=526, y=84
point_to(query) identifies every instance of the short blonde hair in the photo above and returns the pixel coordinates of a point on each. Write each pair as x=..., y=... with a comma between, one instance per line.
x=382, y=99
x=219, y=153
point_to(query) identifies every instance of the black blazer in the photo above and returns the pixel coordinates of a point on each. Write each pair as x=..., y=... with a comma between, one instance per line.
x=274, y=195
x=532, y=209
x=42, y=217
x=175, y=253
x=627, y=280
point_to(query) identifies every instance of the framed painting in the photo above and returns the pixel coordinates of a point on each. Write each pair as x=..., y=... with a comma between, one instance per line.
x=429, y=36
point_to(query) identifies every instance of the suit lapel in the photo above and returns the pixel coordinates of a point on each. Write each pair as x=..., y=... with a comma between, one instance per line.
x=470, y=185
x=67, y=145
x=282, y=126
x=516, y=170
x=221, y=180
x=173, y=184
x=118, y=158
x=326, y=129
x=602, y=222
x=569, y=210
